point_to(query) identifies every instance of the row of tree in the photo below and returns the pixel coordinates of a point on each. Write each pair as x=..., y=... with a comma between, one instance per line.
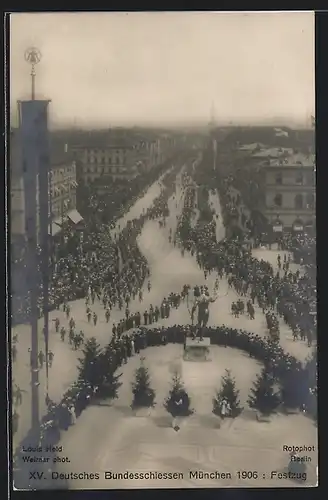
x=97, y=369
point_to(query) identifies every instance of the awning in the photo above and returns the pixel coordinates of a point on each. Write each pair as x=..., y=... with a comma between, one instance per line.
x=74, y=216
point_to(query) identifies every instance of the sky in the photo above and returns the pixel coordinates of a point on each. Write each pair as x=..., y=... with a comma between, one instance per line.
x=167, y=68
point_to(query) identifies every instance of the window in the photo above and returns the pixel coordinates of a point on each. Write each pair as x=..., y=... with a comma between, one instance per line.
x=299, y=201
x=299, y=178
x=278, y=178
x=277, y=200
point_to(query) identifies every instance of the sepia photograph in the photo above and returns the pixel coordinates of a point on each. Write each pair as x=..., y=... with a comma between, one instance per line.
x=162, y=231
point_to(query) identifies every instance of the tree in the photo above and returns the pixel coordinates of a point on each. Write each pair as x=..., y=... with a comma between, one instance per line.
x=178, y=401
x=229, y=393
x=89, y=367
x=262, y=395
x=143, y=394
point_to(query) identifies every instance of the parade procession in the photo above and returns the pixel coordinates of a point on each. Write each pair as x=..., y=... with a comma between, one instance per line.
x=163, y=324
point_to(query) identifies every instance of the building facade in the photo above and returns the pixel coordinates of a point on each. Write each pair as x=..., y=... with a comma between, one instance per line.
x=290, y=191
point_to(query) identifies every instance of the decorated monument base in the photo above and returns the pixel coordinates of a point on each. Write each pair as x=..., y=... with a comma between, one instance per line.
x=197, y=350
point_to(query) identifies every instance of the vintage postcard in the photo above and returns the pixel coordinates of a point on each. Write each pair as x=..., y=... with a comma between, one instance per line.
x=163, y=250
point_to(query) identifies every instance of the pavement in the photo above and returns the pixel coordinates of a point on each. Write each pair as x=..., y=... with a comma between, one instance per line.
x=169, y=272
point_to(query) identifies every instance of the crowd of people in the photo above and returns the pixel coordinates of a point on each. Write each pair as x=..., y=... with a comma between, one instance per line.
x=94, y=260
x=110, y=270
x=130, y=322
x=113, y=271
